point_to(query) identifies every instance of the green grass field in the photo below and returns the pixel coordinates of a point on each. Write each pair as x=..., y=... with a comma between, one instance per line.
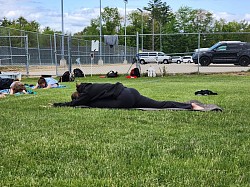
x=46, y=146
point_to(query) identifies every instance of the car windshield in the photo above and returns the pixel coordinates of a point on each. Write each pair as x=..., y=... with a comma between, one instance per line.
x=214, y=46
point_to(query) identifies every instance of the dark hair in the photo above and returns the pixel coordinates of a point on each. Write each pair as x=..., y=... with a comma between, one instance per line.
x=18, y=87
x=41, y=81
x=75, y=95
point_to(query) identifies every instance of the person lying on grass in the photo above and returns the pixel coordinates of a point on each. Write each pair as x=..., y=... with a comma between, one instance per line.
x=17, y=87
x=46, y=83
x=108, y=95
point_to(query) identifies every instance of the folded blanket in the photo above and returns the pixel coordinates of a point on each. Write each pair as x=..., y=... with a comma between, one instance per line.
x=32, y=86
x=61, y=86
x=7, y=91
x=28, y=92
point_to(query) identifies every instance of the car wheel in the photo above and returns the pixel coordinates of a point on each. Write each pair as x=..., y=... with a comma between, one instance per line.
x=204, y=61
x=142, y=62
x=244, y=61
x=178, y=62
x=165, y=61
x=189, y=61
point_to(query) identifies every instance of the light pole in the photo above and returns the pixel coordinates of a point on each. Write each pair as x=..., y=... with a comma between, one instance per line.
x=160, y=37
x=125, y=40
x=141, y=27
x=153, y=27
x=100, y=43
x=62, y=30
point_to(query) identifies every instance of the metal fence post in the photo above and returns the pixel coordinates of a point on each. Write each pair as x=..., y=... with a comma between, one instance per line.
x=69, y=53
x=10, y=48
x=27, y=54
x=38, y=48
x=55, y=51
x=51, y=49
x=137, y=51
x=199, y=45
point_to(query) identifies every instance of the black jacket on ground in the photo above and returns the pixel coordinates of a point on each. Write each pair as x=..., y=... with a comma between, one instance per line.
x=91, y=92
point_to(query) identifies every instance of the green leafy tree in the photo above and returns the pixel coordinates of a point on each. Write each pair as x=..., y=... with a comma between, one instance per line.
x=202, y=20
x=111, y=23
x=5, y=22
x=92, y=29
x=138, y=21
x=160, y=14
x=135, y=20
x=111, y=20
x=185, y=16
x=48, y=30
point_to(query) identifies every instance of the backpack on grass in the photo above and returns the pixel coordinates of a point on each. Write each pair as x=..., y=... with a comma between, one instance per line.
x=135, y=72
x=78, y=73
x=66, y=77
x=112, y=74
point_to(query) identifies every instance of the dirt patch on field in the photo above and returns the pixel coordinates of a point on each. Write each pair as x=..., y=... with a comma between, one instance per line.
x=21, y=68
x=11, y=68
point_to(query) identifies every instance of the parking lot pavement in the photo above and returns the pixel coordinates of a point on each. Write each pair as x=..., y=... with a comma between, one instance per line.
x=191, y=68
x=125, y=69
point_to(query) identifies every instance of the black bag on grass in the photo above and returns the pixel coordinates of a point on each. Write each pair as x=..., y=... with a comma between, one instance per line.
x=112, y=74
x=66, y=77
x=78, y=73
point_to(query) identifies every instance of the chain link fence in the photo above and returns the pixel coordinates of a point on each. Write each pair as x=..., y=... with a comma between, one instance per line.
x=37, y=54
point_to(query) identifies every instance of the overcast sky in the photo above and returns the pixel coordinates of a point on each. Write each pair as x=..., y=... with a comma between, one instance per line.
x=78, y=13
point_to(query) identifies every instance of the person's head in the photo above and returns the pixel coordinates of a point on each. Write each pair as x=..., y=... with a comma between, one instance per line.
x=75, y=95
x=18, y=87
x=42, y=82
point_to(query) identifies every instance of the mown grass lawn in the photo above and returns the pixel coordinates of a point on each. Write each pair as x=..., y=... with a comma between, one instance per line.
x=46, y=146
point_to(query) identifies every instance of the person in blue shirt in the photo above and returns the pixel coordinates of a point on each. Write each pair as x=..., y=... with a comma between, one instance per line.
x=46, y=83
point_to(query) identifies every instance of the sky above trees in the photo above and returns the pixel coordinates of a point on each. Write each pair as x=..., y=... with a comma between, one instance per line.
x=78, y=14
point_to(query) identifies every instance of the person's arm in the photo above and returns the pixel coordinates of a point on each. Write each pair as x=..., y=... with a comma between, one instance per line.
x=35, y=87
x=11, y=91
x=82, y=100
x=47, y=87
x=63, y=104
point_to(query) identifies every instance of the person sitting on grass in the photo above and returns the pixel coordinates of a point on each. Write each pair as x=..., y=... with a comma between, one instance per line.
x=17, y=87
x=46, y=83
x=117, y=96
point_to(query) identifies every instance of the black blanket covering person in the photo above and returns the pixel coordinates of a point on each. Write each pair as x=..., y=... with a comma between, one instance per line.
x=116, y=96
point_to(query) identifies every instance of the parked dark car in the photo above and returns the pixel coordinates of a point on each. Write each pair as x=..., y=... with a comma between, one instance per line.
x=226, y=52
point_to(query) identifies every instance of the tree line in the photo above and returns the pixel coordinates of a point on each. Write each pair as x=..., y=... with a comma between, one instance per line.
x=155, y=18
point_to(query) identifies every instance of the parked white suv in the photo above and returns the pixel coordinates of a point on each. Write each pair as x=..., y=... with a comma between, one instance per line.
x=187, y=59
x=154, y=57
x=177, y=59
